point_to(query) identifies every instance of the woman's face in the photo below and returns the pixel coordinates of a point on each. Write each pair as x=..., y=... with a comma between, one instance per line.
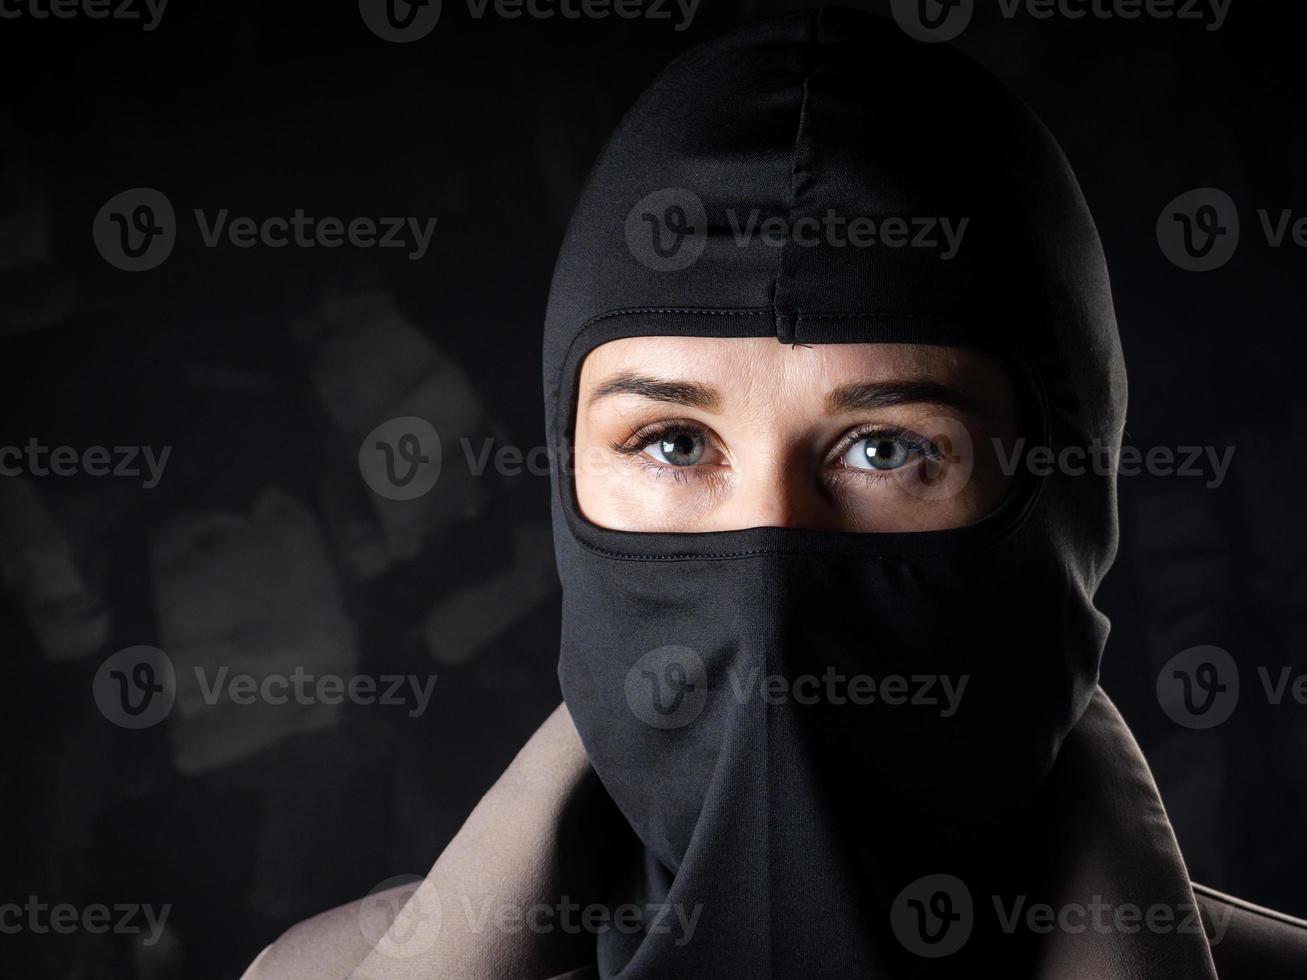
x=692, y=434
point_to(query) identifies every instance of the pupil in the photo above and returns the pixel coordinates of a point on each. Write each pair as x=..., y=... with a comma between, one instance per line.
x=885, y=454
x=680, y=448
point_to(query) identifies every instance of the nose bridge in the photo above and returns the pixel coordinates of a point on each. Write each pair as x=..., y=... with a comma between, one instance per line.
x=777, y=487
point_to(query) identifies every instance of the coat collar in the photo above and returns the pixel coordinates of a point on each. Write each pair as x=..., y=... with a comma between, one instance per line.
x=1104, y=841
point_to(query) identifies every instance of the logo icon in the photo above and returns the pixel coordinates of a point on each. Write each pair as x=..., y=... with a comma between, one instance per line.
x=1199, y=230
x=933, y=917
x=135, y=230
x=667, y=687
x=933, y=20
x=400, y=459
x=667, y=230
x=1199, y=687
x=401, y=916
x=946, y=475
x=400, y=21
x=136, y=687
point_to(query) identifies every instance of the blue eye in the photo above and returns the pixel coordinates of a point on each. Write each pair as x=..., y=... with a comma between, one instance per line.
x=677, y=447
x=879, y=451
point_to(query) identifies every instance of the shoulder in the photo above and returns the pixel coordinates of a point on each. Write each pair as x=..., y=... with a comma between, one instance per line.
x=533, y=836
x=1250, y=942
x=331, y=944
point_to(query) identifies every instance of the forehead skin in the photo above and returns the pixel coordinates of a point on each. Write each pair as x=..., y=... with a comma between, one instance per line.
x=763, y=376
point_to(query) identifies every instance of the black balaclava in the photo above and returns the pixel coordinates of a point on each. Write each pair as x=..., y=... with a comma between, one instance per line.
x=790, y=828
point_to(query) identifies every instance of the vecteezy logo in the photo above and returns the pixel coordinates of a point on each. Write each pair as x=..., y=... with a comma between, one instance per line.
x=667, y=687
x=1199, y=687
x=933, y=916
x=668, y=229
x=933, y=20
x=401, y=916
x=1199, y=230
x=135, y=230
x=136, y=687
x=946, y=472
x=400, y=459
x=400, y=21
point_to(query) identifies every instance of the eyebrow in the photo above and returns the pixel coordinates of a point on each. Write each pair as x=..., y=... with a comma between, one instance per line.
x=692, y=394
x=855, y=397
x=867, y=395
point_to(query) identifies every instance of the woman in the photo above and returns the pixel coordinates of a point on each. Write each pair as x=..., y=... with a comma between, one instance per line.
x=829, y=653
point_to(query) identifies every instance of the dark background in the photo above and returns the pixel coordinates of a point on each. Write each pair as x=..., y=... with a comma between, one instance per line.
x=262, y=548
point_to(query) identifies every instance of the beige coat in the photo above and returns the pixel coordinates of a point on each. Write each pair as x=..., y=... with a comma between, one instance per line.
x=540, y=831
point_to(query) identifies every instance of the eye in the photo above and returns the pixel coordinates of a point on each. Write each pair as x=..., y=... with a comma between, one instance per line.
x=676, y=447
x=877, y=453
x=886, y=450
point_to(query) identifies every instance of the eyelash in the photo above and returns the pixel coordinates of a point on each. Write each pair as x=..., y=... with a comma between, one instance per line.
x=642, y=438
x=646, y=435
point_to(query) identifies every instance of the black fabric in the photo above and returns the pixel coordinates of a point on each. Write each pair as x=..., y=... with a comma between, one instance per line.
x=794, y=826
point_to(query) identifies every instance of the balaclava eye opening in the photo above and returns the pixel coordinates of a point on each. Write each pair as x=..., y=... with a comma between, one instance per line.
x=711, y=676
x=1029, y=410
